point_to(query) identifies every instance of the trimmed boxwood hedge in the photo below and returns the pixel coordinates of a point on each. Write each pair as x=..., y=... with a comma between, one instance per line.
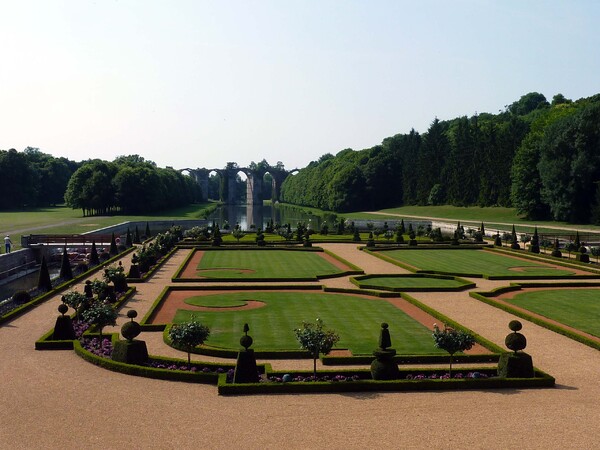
x=360, y=282
x=541, y=380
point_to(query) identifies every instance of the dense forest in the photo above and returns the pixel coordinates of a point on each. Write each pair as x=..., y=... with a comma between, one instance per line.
x=33, y=178
x=543, y=158
x=129, y=184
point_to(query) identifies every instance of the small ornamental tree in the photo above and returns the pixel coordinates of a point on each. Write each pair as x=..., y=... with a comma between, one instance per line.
x=316, y=340
x=535, y=242
x=113, y=245
x=556, y=250
x=148, y=234
x=402, y=228
x=44, y=282
x=65, y=266
x=101, y=315
x=238, y=233
x=76, y=300
x=188, y=335
x=452, y=341
x=136, y=236
x=94, y=258
x=128, y=239
x=514, y=241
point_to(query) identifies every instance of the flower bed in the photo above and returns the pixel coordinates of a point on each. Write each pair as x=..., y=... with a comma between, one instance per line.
x=359, y=381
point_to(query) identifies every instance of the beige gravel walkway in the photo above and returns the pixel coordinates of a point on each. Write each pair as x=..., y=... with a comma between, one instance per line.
x=55, y=400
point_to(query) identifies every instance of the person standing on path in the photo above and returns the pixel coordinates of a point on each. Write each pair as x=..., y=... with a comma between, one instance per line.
x=7, y=243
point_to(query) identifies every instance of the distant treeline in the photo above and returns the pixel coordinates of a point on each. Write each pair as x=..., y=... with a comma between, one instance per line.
x=33, y=178
x=129, y=184
x=541, y=158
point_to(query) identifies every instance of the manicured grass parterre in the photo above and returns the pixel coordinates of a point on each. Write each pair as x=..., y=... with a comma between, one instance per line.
x=264, y=264
x=416, y=282
x=357, y=320
x=474, y=262
x=577, y=308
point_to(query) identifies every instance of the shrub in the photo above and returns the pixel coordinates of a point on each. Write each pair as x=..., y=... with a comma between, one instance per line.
x=21, y=297
x=65, y=267
x=44, y=282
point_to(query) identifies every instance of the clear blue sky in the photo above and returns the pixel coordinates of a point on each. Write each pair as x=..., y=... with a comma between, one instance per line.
x=198, y=83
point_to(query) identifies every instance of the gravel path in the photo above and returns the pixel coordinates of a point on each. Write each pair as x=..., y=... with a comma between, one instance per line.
x=55, y=400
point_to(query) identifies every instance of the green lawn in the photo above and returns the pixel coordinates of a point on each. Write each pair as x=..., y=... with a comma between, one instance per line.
x=357, y=321
x=264, y=264
x=61, y=219
x=473, y=262
x=577, y=308
x=407, y=282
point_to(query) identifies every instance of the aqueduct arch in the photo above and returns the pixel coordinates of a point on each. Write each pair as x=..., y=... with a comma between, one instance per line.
x=254, y=181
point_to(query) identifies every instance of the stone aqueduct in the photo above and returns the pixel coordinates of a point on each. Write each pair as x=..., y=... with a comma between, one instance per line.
x=254, y=179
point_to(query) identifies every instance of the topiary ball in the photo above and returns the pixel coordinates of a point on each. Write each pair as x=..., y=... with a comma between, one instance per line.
x=62, y=308
x=515, y=341
x=130, y=330
x=246, y=341
x=286, y=378
x=132, y=314
x=515, y=325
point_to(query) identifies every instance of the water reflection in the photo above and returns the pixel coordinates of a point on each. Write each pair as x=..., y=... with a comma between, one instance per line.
x=249, y=216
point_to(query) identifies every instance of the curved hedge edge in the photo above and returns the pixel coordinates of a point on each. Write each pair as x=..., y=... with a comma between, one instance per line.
x=463, y=287
x=154, y=268
x=379, y=294
x=147, y=372
x=411, y=359
x=541, y=380
x=220, y=352
x=343, y=261
x=536, y=320
x=340, y=274
x=571, y=264
x=60, y=288
x=445, y=319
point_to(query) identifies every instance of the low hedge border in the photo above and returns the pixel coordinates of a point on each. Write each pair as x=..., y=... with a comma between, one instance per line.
x=60, y=288
x=541, y=380
x=146, y=276
x=487, y=297
x=47, y=343
x=410, y=359
x=430, y=246
x=465, y=283
x=152, y=372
